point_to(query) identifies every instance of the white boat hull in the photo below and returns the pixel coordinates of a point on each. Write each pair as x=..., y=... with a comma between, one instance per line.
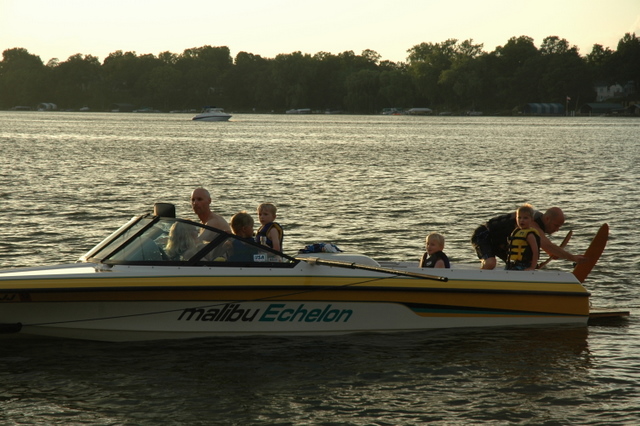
x=212, y=114
x=148, y=303
x=127, y=321
x=211, y=118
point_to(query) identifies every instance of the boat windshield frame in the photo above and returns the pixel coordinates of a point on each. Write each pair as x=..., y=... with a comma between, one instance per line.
x=145, y=240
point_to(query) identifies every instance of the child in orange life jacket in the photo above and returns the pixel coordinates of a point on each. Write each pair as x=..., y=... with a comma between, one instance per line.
x=524, y=242
x=270, y=230
x=434, y=257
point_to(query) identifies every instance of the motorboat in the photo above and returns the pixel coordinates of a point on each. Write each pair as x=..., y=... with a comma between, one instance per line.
x=420, y=111
x=139, y=284
x=211, y=113
x=393, y=111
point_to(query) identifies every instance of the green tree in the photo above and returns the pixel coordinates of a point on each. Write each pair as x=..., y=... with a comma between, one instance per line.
x=204, y=70
x=292, y=75
x=516, y=72
x=168, y=58
x=397, y=89
x=23, y=79
x=449, y=74
x=554, y=45
x=563, y=73
x=362, y=90
x=427, y=63
x=249, y=83
x=463, y=80
x=329, y=88
x=145, y=66
x=77, y=81
x=164, y=88
x=121, y=75
x=600, y=63
x=626, y=61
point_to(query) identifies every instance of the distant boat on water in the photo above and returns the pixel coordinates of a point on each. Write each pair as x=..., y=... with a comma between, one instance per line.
x=211, y=113
x=420, y=111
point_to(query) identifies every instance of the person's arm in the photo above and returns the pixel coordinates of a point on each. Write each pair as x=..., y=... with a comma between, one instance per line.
x=274, y=236
x=439, y=264
x=424, y=257
x=533, y=244
x=559, y=252
x=556, y=251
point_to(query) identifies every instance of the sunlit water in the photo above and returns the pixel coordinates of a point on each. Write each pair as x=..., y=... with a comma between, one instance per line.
x=374, y=185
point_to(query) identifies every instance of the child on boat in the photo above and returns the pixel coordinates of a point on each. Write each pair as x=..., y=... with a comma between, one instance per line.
x=434, y=257
x=270, y=233
x=524, y=242
x=242, y=226
x=182, y=242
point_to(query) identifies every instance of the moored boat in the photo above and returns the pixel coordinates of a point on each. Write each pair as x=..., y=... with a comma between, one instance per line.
x=211, y=113
x=134, y=286
x=420, y=111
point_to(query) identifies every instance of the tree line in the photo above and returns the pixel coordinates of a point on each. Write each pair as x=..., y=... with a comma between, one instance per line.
x=446, y=76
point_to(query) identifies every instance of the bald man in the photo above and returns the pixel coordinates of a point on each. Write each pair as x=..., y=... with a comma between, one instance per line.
x=201, y=205
x=490, y=240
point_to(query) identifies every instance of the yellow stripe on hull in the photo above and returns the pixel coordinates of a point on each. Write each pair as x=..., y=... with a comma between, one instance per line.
x=558, y=299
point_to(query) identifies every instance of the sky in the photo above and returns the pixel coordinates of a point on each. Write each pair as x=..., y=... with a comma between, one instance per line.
x=62, y=28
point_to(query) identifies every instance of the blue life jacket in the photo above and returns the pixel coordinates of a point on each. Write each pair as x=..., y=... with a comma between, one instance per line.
x=264, y=230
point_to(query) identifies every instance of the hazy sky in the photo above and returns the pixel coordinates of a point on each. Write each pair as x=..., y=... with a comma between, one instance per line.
x=61, y=28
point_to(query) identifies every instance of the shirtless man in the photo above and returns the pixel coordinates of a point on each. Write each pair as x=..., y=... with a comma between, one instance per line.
x=490, y=239
x=200, y=203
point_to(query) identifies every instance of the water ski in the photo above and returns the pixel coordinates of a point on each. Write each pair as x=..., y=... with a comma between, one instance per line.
x=582, y=270
x=602, y=317
x=563, y=244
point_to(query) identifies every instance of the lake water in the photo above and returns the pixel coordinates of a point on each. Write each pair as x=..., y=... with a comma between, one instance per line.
x=369, y=184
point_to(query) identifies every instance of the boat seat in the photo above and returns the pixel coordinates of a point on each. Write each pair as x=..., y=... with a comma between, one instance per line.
x=164, y=210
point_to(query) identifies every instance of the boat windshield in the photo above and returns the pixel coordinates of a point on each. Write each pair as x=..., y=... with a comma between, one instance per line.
x=155, y=240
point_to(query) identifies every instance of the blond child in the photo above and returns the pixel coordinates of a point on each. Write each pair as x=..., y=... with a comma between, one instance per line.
x=242, y=225
x=238, y=250
x=524, y=242
x=434, y=257
x=182, y=242
x=270, y=232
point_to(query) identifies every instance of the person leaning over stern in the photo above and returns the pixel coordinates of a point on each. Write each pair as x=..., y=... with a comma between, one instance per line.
x=490, y=240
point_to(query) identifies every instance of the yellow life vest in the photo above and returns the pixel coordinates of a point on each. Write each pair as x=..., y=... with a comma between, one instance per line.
x=519, y=250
